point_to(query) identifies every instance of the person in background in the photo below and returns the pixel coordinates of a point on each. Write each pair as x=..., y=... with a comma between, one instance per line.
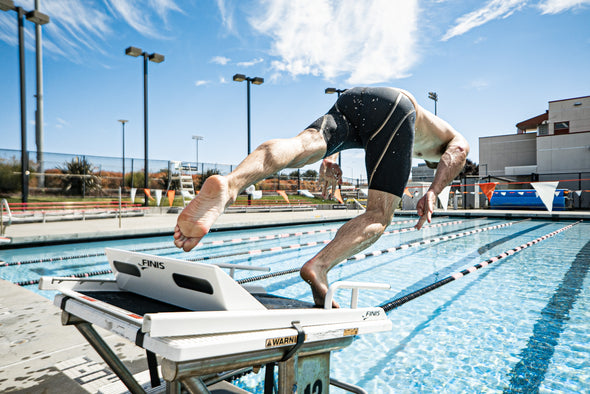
x=330, y=176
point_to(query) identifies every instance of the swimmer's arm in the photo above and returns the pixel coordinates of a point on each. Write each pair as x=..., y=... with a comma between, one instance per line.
x=450, y=165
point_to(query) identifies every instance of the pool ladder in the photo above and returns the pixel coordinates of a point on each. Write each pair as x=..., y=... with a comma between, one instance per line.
x=4, y=204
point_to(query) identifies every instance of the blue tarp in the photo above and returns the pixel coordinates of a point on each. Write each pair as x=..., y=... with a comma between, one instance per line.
x=525, y=199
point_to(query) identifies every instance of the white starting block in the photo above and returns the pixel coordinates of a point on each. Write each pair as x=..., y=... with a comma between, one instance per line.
x=202, y=322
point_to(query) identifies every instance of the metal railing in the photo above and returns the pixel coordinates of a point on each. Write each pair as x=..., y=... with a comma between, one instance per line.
x=4, y=205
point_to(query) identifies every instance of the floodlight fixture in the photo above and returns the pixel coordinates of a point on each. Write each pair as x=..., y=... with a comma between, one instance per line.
x=257, y=81
x=133, y=51
x=156, y=58
x=239, y=77
x=334, y=90
x=6, y=5
x=37, y=17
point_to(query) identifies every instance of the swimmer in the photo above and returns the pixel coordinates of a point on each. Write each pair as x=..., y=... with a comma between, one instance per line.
x=389, y=125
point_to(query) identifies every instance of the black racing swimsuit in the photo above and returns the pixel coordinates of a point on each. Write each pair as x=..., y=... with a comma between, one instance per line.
x=379, y=120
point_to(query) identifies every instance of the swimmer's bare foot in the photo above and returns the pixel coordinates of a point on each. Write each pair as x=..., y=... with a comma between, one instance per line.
x=318, y=280
x=199, y=215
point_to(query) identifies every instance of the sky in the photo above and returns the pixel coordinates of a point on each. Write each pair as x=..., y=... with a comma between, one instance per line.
x=493, y=63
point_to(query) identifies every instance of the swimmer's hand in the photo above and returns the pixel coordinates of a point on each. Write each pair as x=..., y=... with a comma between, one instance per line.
x=425, y=208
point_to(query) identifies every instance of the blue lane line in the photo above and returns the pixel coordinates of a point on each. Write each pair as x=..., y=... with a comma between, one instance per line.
x=528, y=374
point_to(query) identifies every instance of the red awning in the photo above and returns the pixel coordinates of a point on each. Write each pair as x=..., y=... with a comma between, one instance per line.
x=533, y=122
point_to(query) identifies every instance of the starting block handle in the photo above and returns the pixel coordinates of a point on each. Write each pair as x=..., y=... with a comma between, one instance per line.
x=355, y=286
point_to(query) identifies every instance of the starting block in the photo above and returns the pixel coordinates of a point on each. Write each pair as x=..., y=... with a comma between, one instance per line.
x=206, y=327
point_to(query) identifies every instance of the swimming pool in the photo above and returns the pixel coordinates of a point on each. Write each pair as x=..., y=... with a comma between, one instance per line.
x=520, y=325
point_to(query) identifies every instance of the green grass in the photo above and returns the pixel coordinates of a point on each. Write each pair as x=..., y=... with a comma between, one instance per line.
x=297, y=199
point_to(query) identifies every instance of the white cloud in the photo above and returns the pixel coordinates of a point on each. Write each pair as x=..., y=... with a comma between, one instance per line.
x=494, y=9
x=61, y=123
x=77, y=26
x=368, y=41
x=251, y=62
x=227, y=16
x=557, y=6
x=478, y=84
x=201, y=83
x=141, y=17
x=220, y=60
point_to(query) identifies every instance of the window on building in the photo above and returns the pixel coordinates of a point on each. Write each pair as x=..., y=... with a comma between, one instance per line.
x=561, y=127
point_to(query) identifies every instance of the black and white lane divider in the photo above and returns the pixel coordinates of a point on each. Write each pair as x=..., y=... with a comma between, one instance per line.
x=309, y=244
x=201, y=245
x=389, y=306
x=251, y=252
x=389, y=250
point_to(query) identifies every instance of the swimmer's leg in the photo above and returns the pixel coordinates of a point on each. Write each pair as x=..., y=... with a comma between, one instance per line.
x=354, y=236
x=218, y=192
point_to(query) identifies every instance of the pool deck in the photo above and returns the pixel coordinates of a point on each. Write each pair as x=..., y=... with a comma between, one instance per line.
x=155, y=224
x=41, y=355
x=160, y=223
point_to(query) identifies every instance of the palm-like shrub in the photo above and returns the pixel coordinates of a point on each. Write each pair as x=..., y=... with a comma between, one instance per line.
x=79, y=178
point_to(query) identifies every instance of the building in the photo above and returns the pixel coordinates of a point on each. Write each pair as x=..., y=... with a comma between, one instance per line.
x=552, y=146
x=422, y=173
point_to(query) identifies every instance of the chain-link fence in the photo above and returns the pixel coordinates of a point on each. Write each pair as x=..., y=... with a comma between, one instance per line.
x=70, y=175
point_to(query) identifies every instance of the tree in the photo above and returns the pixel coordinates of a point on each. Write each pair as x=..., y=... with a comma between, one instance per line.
x=9, y=179
x=310, y=174
x=470, y=168
x=78, y=177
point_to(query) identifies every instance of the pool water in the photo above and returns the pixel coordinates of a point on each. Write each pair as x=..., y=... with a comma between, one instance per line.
x=521, y=324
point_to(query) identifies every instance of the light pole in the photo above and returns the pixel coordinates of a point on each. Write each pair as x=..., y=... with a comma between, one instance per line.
x=123, y=121
x=433, y=96
x=39, y=97
x=339, y=91
x=156, y=58
x=40, y=19
x=255, y=81
x=197, y=138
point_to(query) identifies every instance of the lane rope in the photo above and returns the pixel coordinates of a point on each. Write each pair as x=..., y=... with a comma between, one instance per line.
x=310, y=244
x=389, y=306
x=109, y=271
x=380, y=252
x=210, y=243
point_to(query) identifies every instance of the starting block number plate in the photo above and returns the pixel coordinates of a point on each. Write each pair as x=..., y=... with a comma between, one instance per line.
x=313, y=374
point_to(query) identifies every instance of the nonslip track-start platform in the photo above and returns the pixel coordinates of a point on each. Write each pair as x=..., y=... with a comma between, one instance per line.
x=190, y=312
